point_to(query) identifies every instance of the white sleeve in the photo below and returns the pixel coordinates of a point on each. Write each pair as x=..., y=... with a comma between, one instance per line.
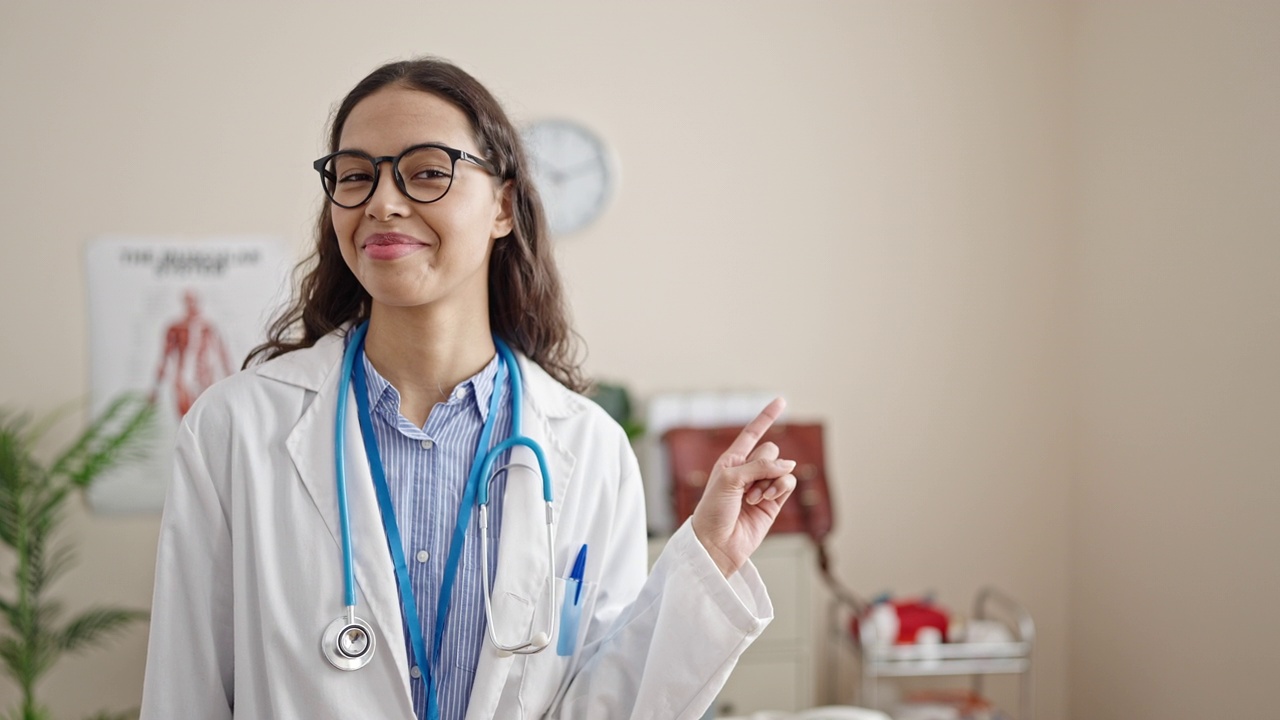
x=190, y=672
x=669, y=652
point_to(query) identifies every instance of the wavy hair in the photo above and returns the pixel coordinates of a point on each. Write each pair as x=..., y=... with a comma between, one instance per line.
x=526, y=298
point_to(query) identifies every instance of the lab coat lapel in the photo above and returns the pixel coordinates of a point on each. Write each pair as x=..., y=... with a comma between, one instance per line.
x=310, y=444
x=520, y=585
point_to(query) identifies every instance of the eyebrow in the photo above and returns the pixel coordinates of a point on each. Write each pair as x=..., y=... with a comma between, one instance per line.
x=406, y=147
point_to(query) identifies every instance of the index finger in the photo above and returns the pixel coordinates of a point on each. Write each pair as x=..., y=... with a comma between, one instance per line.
x=754, y=430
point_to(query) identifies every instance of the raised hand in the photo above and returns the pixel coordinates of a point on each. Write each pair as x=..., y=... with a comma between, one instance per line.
x=744, y=493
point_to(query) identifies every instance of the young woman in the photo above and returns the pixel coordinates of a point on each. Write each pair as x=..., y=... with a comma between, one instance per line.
x=320, y=562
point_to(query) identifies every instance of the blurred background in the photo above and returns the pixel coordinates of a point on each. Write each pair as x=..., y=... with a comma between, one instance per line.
x=1021, y=258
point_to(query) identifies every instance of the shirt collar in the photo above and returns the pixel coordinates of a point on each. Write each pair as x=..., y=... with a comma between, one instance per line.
x=478, y=389
x=482, y=386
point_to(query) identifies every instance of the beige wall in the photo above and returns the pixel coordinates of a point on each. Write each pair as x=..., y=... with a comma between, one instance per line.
x=1174, y=532
x=911, y=269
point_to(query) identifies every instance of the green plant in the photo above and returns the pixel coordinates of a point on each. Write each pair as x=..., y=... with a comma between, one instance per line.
x=616, y=401
x=33, y=498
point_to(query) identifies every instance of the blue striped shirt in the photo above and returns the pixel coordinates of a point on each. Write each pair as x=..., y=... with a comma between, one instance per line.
x=427, y=470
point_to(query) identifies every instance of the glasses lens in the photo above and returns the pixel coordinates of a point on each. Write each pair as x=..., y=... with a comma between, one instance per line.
x=348, y=179
x=427, y=173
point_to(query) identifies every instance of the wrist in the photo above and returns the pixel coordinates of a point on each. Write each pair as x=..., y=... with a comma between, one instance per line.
x=723, y=561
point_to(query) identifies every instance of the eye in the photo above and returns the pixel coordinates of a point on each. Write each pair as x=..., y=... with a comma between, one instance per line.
x=431, y=174
x=428, y=164
x=350, y=169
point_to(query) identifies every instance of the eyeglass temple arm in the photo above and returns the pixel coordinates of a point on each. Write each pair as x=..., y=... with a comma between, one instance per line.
x=484, y=164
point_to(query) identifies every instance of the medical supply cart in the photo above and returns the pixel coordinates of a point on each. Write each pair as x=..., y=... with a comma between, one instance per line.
x=975, y=659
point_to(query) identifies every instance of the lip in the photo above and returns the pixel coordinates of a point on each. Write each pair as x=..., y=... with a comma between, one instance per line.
x=390, y=246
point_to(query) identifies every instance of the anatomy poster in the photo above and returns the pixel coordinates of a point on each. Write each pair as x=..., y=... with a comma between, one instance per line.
x=167, y=319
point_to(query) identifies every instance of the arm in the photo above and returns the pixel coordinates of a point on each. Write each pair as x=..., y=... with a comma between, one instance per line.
x=662, y=647
x=189, y=654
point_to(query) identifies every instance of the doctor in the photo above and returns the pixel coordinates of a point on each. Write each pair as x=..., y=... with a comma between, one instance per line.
x=431, y=257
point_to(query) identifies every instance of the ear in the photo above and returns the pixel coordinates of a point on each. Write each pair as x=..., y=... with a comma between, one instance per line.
x=504, y=220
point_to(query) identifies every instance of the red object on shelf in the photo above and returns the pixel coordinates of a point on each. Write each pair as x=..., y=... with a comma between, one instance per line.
x=913, y=616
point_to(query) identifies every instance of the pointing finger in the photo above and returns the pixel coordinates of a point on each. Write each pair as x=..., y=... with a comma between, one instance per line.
x=752, y=433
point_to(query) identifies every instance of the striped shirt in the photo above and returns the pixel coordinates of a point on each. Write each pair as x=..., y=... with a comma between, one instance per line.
x=427, y=470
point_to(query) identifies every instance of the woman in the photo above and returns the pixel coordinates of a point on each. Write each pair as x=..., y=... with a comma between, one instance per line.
x=431, y=259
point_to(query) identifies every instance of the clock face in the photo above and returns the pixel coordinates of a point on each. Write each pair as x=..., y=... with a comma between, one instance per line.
x=572, y=171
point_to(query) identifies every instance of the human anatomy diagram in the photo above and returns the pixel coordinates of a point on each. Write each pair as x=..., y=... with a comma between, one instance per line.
x=194, y=356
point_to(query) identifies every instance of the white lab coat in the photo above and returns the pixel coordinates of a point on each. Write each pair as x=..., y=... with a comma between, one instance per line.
x=249, y=570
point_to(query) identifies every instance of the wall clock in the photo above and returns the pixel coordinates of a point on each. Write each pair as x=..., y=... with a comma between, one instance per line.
x=573, y=171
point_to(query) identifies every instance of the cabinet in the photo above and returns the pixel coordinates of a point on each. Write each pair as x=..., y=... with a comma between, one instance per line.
x=777, y=671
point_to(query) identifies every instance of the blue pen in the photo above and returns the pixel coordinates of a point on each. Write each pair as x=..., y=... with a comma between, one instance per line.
x=571, y=611
x=579, y=569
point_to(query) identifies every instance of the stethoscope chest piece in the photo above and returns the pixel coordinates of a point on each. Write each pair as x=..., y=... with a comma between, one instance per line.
x=348, y=643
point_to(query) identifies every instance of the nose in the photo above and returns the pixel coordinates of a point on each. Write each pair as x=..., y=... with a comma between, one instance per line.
x=387, y=201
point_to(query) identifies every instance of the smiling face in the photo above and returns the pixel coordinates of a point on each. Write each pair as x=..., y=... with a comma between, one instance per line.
x=412, y=255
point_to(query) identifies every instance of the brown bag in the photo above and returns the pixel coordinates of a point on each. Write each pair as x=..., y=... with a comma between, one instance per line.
x=692, y=452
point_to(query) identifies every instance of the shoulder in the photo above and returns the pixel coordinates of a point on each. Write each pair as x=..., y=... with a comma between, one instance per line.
x=562, y=406
x=580, y=428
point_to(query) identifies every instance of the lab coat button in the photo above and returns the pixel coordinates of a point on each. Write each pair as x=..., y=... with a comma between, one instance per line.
x=427, y=444
x=414, y=672
x=423, y=556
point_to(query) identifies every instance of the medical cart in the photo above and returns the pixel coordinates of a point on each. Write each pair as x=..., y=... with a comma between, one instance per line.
x=975, y=659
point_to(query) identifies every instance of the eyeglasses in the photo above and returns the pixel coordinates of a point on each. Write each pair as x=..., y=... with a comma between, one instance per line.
x=424, y=173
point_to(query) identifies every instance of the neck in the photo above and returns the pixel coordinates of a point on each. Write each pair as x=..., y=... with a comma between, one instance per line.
x=425, y=355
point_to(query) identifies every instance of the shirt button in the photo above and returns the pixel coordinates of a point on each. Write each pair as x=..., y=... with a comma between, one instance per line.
x=423, y=556
x=427, y=444
x=414, y=672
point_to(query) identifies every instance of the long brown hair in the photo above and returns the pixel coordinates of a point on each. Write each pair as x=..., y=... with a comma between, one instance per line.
x=526, y=300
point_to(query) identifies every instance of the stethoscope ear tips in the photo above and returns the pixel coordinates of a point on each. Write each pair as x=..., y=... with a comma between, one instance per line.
x=504, y=653
x=540, y=640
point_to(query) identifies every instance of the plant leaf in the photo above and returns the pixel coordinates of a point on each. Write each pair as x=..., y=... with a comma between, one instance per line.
x=20, y=477
x=8, y=609
x=95, y=625
x=38, y=427
x=119, y=434
x=54, y=566
x=47, y=613
x=14, y=657
x=33, y=499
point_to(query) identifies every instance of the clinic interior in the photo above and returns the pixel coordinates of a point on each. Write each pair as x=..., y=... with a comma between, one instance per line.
x=1016, y=257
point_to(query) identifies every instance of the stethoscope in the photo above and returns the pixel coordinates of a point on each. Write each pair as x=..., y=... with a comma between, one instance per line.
x=348, y=643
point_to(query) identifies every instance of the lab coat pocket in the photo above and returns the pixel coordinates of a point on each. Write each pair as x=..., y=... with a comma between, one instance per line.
x=547, y=674
x=574, y=599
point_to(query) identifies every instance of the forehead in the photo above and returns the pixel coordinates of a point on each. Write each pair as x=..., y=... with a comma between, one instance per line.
x=394, y=118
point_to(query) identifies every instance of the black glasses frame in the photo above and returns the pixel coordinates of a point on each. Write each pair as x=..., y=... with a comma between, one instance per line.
x=327, y=178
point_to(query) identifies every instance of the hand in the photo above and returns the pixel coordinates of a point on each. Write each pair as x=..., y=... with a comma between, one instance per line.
x=747, y=488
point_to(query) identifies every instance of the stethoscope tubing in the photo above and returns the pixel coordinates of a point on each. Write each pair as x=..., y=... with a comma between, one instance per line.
x=475, y=494
x=538, y=640
x=352, y=351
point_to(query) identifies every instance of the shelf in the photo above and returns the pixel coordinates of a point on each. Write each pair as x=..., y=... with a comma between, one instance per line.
x=974, y=660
